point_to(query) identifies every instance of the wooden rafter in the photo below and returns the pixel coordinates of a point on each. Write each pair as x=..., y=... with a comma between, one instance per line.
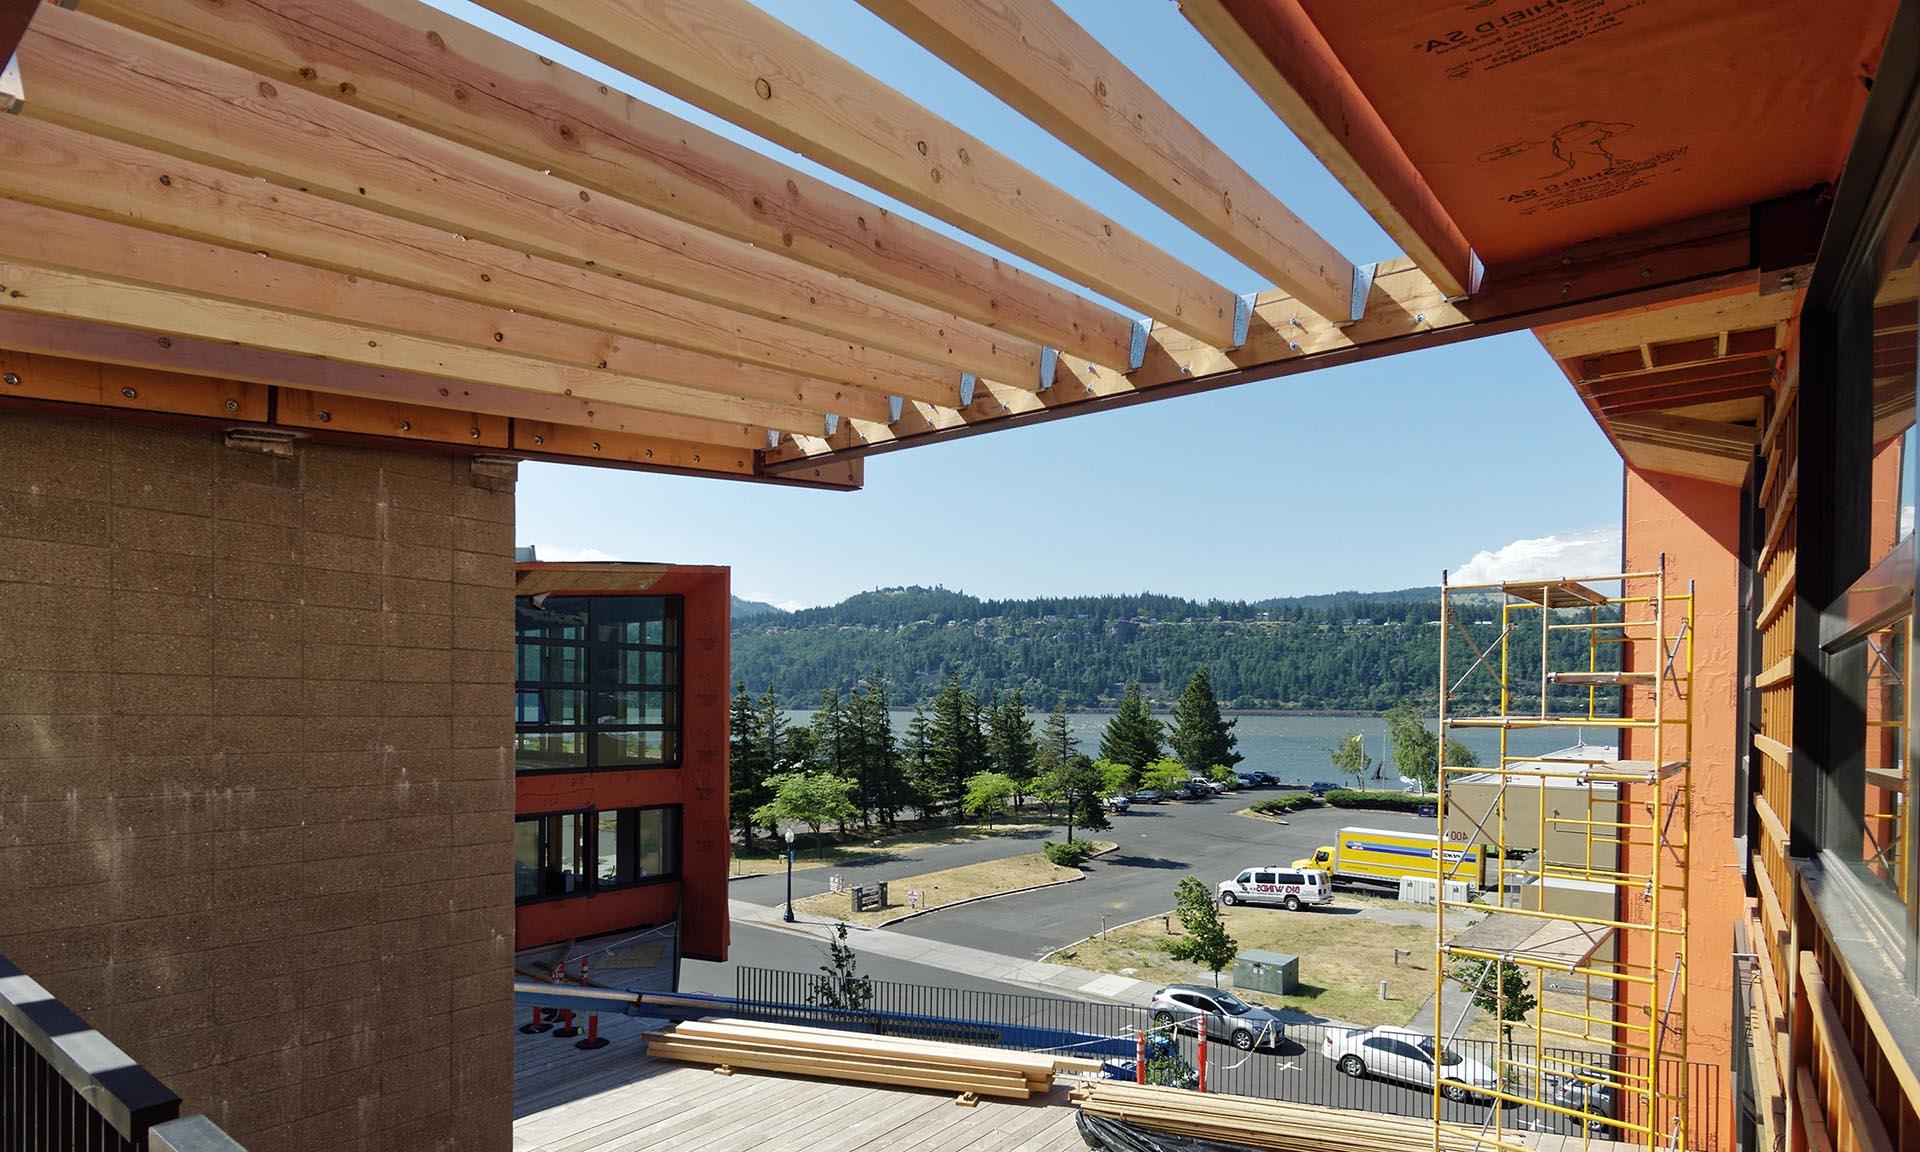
x=44, y=291
x=1282, y=56
x=733, y=60
x=94, y=76
x=409, y=62
x=44, y=164
x=97, y=248
x=181, y=355
x=1722, y=312
x=1037, y=59
x=1405, y=310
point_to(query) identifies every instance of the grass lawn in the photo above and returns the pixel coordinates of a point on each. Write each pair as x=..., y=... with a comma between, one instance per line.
x=948, y=886
x=857, y=847
x=1342, y=959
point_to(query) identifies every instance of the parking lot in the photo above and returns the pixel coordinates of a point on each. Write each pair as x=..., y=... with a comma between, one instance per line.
x=1158, y=844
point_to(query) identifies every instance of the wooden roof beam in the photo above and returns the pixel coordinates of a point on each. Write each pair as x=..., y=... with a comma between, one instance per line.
x=1276, y=49
x=183, y=355
x=409, y=62
x=48, y=291
x=1406, y=310
x=737, y=62
x=1037, y=59
x=45, y=164
x=161, y=396
x=132, y=255
x=99, y=78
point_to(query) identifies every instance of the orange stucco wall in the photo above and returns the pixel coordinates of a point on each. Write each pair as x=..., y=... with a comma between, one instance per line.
x=1696, y=525
x=698, y=785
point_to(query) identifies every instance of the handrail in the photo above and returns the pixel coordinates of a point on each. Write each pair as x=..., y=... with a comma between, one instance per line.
x=102, y=1078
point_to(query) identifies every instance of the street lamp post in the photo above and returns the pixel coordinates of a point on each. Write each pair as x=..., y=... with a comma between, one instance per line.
x=786, y=830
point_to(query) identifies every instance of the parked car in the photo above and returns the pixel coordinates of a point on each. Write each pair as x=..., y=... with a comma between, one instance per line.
x=1256, y=777
x=1587, y=1089
x=1322, y=787
x=1115, y=803
x=1407, y=1056
x=1290, y=888
x=1197, y=789
x=1247, y=1026
x=1146, y=796
x=1209, y=787
x=1249, y=779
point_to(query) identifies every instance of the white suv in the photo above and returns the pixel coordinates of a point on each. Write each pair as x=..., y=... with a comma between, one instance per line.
x=1291, y=888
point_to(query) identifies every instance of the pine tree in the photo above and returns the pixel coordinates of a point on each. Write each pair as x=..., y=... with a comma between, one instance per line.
x=748, y=766
x=916, y=754
x=1056, y=741
x=769, y=748
x=1010, y=741
x=1132, y=737
x=1202, y=738
x=955, y=747
x=875, y=759
x=829, y=726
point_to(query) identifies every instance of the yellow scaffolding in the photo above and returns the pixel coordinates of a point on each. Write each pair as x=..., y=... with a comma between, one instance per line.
x=1588, y=889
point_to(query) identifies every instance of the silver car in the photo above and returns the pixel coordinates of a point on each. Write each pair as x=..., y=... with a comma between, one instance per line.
x=1228, y=1017
x=1407, y=1056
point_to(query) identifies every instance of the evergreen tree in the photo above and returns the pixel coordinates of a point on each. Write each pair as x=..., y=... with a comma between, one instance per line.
x=955, y=747
x=744, y=766
x=916, y=754
x=1202, y=739
x=1056, y=741
x=873, y=759
x=768, y=749
x=1010, y=745
x=830, y=741
x=1132, y=737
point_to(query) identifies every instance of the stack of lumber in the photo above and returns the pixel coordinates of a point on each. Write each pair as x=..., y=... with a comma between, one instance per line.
x=857, y=1056
x=1269, y=1124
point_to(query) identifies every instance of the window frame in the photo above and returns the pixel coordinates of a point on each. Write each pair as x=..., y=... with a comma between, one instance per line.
x=591, y=730
x=590, y=852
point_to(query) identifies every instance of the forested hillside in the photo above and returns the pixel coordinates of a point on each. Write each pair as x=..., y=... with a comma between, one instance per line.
x=1346, y=651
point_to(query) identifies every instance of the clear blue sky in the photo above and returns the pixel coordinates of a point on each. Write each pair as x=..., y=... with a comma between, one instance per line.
x=1371, y=476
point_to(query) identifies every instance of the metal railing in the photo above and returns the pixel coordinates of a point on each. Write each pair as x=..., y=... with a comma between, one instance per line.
x=1293, y=1069
x=64, y=1086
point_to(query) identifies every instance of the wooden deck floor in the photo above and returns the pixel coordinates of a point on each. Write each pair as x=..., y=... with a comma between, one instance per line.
x=617, y=1099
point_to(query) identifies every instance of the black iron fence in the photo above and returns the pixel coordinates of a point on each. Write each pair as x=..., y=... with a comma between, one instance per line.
x=63, y=1086
x=1300, y=1065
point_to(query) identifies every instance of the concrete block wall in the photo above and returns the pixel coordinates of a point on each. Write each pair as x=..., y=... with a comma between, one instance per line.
x=256, y=774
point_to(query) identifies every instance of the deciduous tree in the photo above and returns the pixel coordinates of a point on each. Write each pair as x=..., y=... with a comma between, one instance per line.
x=1205, y=941
x=988, y=794
x=1349, y=757
x=815, y=799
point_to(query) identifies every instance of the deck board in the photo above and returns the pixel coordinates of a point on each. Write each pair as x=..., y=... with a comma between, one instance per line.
x=617, y=1099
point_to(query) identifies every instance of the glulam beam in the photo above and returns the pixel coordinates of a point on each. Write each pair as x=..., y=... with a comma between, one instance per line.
x=1035, y=57
x=408, y=62
x=735, y=61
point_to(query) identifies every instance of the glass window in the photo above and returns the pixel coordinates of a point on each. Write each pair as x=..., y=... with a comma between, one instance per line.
x=549, y=856
x=1244, y=878
x=1263, y=877
x=626, y=648
x=636, y=844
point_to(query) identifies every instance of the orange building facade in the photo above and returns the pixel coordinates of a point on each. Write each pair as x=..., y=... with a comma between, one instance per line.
x=620, y=757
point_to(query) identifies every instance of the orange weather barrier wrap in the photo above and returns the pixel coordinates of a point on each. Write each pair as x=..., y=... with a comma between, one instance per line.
x=1542, y=123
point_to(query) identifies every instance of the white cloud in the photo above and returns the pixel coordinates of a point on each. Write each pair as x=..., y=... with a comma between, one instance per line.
x=547, y=552
x=1593, y=552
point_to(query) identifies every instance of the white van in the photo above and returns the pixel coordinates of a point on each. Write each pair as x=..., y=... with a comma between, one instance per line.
x=1291, y=888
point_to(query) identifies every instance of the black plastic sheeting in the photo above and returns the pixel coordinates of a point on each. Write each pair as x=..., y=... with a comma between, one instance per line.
x=1119, y=1136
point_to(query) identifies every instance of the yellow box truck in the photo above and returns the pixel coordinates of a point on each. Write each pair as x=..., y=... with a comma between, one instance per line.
x=1381, y=856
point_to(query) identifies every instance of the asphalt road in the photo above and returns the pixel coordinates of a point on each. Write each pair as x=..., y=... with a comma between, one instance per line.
x=758, y=947
x=1159, y=844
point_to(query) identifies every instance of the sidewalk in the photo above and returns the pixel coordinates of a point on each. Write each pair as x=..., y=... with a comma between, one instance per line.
x=1053, y=979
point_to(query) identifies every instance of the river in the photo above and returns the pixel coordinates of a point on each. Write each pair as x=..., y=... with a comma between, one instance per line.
x=1295, y=748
